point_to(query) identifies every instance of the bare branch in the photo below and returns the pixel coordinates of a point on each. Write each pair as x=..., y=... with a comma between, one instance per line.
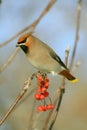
x=4, y=66
x=27, y=83
x=62, y=88
x=31, y=27
x=58, y=98
x=60, y=91
x=51, y=112
x=77, y=32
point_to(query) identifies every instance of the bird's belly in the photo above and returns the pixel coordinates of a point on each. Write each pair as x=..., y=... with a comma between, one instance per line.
x=45, y=64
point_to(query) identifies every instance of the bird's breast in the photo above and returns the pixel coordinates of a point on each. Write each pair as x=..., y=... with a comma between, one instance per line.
x=44, y=62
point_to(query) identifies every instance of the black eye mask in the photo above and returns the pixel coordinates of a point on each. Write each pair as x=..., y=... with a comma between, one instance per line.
x=23, y=41
x=24, y=48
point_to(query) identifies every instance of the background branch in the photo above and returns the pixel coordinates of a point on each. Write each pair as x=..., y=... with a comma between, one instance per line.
x=60, y=92
x=4, y=66
x=33, y=25
x=26, y=85
x=77, y=32
x=62, y=88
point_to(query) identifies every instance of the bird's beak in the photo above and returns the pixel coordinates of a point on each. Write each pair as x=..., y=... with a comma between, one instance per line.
x=17, y=45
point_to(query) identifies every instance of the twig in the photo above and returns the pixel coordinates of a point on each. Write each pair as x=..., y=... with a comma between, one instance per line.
x=62, y=88
x=60, y=91
x=31, y=115
x=34, y=113
x=27, y=83
x=77, y=32
x=27, y=96
x=33, y=25
x=57, y=98
x=50, y=112
x=4, y=66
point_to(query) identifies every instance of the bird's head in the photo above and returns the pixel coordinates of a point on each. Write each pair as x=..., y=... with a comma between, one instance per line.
x=23, y=42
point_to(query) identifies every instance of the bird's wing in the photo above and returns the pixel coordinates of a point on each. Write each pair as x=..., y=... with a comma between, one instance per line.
x=57, y=58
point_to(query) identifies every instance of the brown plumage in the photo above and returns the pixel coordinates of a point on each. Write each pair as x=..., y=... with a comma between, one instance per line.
x=43, y=57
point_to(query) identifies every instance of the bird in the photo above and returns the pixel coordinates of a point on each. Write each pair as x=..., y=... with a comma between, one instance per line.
x=43, y=57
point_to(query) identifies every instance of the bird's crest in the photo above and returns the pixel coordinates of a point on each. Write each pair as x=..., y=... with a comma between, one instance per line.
x=23, y=38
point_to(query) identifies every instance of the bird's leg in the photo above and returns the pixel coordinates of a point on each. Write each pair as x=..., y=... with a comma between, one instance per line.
x=42, y=73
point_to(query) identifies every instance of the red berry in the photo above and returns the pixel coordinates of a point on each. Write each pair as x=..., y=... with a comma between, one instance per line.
x=40, y=108
x=39, y=90
x=50, y=106
x=44, y=108
x=37, y=96
x=44, y=89
x=40, y=78
x=42, y=83
x=46, y=80
x=46, y=94
x=46, y=85
x=42, y=97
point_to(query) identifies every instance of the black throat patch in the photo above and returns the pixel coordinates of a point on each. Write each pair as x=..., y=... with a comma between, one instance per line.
x=24, y=48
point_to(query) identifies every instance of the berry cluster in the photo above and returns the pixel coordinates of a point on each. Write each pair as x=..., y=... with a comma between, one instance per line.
x=46, y=107
x=42, y=93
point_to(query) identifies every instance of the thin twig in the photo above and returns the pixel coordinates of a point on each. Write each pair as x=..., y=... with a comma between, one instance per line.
x=33, y=25
x=77, y=33
x=57, y=97
x=62, y=88
x=60, y=91
x=27, y=83
x=26, y=97
x=50, y=112
x=4, y=66
x=34, y=112
x=30, y=124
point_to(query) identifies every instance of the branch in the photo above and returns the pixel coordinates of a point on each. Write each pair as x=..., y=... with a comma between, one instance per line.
x=4, y=66
x=27, y=83
x=51, y=111
x=77, y=33
x=60, y=91
x=33, y=25
x=62, y=88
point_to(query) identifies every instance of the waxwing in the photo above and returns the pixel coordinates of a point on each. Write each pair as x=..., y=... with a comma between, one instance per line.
x=43, y=57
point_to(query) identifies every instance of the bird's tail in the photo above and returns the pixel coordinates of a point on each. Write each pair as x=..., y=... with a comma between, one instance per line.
x=69, y=76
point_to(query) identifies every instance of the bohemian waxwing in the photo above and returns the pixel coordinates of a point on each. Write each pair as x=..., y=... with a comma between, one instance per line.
x=43, y=57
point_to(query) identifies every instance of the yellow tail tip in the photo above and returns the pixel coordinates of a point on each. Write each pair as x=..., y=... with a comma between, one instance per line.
x=75, y=80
